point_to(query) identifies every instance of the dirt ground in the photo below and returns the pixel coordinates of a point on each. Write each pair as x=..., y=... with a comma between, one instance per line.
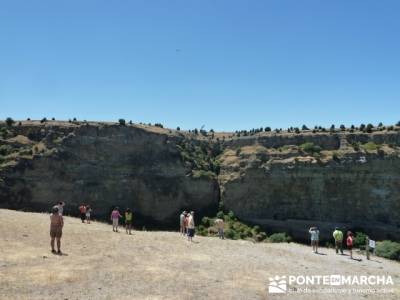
x=101, y=264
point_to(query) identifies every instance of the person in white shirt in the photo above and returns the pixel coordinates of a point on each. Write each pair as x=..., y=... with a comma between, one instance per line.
x=220, y=226
x=314, y=233
x=60, y=207
x=191, y=226
x=88, y=214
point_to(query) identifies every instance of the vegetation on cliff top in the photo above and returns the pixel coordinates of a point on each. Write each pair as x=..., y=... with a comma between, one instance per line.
x=201, y=159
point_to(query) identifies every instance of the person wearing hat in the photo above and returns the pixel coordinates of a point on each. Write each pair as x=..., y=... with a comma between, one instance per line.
x=338, y=236
x=191, y=226
x=182, y=222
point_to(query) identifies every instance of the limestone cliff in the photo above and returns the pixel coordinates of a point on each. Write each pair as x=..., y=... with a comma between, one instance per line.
x=282, y=181
x=106, y=165
x=289, y=190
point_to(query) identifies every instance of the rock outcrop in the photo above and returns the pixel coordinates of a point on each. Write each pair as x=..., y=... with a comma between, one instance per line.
x=269, y=179
x=107, y=165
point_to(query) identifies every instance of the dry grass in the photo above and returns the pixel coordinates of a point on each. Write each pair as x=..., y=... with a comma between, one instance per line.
x=101, y=264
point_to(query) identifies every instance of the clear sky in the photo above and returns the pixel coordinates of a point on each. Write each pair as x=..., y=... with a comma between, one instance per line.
x=223, y=64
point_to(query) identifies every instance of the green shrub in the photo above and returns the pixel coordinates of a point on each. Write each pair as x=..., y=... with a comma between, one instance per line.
x=231, y=215
x=256, y=229
x=121, y=122
x=310, y=148
x=388, y=249
x=370, y=146
x=44, y=120
x=231, y=234
x=279, y=238
x=304, y=127
x=9, y=122
x=206, y=222
x=220, y=215
x=360, y=240
x=5, y=150
x=356, y=146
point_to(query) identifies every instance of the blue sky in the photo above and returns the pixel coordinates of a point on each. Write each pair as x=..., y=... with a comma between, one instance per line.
x=223, y=64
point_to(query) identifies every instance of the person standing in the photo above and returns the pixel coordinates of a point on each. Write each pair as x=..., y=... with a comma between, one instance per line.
x=182, y=222
x=128, y=220
x=349, y=243
x=185, y=223
x=115, y=215
x=82, y=210
x=88, y=213
x=191, y=226
x=314, y=232
x=56, y=226
x=338, y=236
x=220, y=226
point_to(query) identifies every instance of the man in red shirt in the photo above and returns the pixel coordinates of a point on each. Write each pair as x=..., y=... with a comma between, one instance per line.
x=82, y=210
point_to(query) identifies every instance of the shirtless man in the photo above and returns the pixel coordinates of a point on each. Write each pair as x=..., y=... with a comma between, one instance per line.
x=56, y=226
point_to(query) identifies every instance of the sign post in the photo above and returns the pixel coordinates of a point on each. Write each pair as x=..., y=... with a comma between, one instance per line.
x=369, y=244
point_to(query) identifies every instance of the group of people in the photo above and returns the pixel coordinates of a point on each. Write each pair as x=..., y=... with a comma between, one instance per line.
x=85, y=211
x=337, y=236
x=187, y=225
x=57, y=222
x=116, y=215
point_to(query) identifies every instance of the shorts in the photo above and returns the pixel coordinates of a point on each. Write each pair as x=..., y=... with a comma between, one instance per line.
x=314, y=242
x=128, y=222
x=115, y=222
x=87, y=215
x=191, y=232
x=83, y=216
x=350, y=247
x=55, y=232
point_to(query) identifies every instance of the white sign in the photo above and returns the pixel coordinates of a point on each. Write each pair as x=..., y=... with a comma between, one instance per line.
x=372, y=243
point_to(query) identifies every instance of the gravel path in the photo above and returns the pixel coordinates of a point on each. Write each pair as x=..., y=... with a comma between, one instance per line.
x=101, y=264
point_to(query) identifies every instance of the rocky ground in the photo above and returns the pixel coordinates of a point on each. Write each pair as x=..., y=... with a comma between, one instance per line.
x=101, y=264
